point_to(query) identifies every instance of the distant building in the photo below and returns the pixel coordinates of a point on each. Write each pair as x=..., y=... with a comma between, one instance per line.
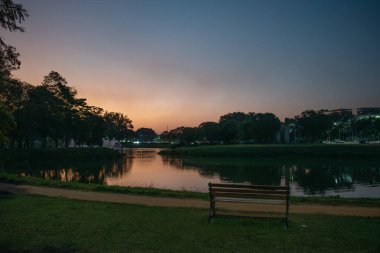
x=340, y=112
x=368, y=111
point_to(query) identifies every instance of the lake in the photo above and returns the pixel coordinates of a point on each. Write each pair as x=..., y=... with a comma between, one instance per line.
x=144, y=167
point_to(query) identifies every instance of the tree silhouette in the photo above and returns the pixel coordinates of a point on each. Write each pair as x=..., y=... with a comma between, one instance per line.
x=8, y=61
x=7, y=123
x=118, y=125
x=146, y=134
x=209, y=132
x=314, y=124
x=11, y=15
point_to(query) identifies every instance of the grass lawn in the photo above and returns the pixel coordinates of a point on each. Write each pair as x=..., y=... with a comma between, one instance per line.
x=42, y=224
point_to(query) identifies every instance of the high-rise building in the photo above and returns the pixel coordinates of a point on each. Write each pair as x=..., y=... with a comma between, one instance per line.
x=367, y=111
x=340, y=112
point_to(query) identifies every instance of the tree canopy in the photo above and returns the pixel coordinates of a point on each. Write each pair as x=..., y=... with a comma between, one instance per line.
x=11, y=16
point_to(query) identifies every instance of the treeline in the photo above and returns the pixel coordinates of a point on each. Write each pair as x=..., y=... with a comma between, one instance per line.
x=309, y=127
x=231, y=128
x=51, y=113
x=314, y=126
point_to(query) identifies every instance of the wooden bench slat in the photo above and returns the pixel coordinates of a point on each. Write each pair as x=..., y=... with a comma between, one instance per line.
x=249, y=195
x=256, y=201
x=214, y=185
x=217, y=190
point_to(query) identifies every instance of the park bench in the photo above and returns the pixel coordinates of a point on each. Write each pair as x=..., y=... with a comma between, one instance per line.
x=261, y=194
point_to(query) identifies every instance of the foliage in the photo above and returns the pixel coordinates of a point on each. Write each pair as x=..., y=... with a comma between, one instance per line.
x=8, y=60
x=232, y=128
x=229, y=125
x=209, y=132
x=314, y=125
x=262, y=127
x=145, y=134
x=368, y=128
x=11, y=15
x=52, y=113
x=118, y=125
x=181, y=135
x=7, y=123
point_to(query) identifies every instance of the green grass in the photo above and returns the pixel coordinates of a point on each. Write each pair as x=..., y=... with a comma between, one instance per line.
x=42, y=224
x=288, y=151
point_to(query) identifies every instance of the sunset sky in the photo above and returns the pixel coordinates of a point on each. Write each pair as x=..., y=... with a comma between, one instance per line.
x=173, y=63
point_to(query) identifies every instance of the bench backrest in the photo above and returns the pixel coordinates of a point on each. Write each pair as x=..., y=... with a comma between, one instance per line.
x=249, y=191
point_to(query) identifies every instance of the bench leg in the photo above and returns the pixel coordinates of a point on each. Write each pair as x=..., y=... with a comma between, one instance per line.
x=211, y=213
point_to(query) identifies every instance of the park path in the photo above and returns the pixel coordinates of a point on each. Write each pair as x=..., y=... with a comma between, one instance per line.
x=236, y=208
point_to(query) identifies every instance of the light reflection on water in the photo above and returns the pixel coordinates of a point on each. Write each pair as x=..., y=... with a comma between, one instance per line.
x=151, y=170
x=144, y=167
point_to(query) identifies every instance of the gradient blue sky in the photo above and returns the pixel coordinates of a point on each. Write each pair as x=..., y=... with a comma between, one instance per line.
x=173, y=63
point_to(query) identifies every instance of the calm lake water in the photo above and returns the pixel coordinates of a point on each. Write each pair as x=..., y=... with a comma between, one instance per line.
x=144, y=167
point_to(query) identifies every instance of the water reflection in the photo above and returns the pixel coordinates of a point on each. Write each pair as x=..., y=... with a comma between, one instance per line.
x=312, y=177
x=237, y=173
x=328, y=179
x=143, y=167
x=95, y=172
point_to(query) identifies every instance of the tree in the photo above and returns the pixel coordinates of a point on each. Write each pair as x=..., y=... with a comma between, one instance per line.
x=13, y=94
x=230, y=124
x=368, y=128
x=89, y=126
x=188, y=135
x=314, y=125
x=11, y=15
x=166, y=136
x=57, y=85
x=8, y=61
x=7, y=123
x=42, y=116
x=209, y=132
x=145, y=134
x=117, y=125
x=70, y=105
x=263, y=127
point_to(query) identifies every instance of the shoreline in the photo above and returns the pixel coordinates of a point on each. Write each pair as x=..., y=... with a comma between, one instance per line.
x=235, y=208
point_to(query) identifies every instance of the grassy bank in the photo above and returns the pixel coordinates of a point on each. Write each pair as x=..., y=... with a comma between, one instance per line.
x=42, y=224
x=148, y=145
x=150, y=191
x=343, y=151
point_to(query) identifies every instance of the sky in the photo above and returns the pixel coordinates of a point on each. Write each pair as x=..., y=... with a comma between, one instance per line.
x=172, y=63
